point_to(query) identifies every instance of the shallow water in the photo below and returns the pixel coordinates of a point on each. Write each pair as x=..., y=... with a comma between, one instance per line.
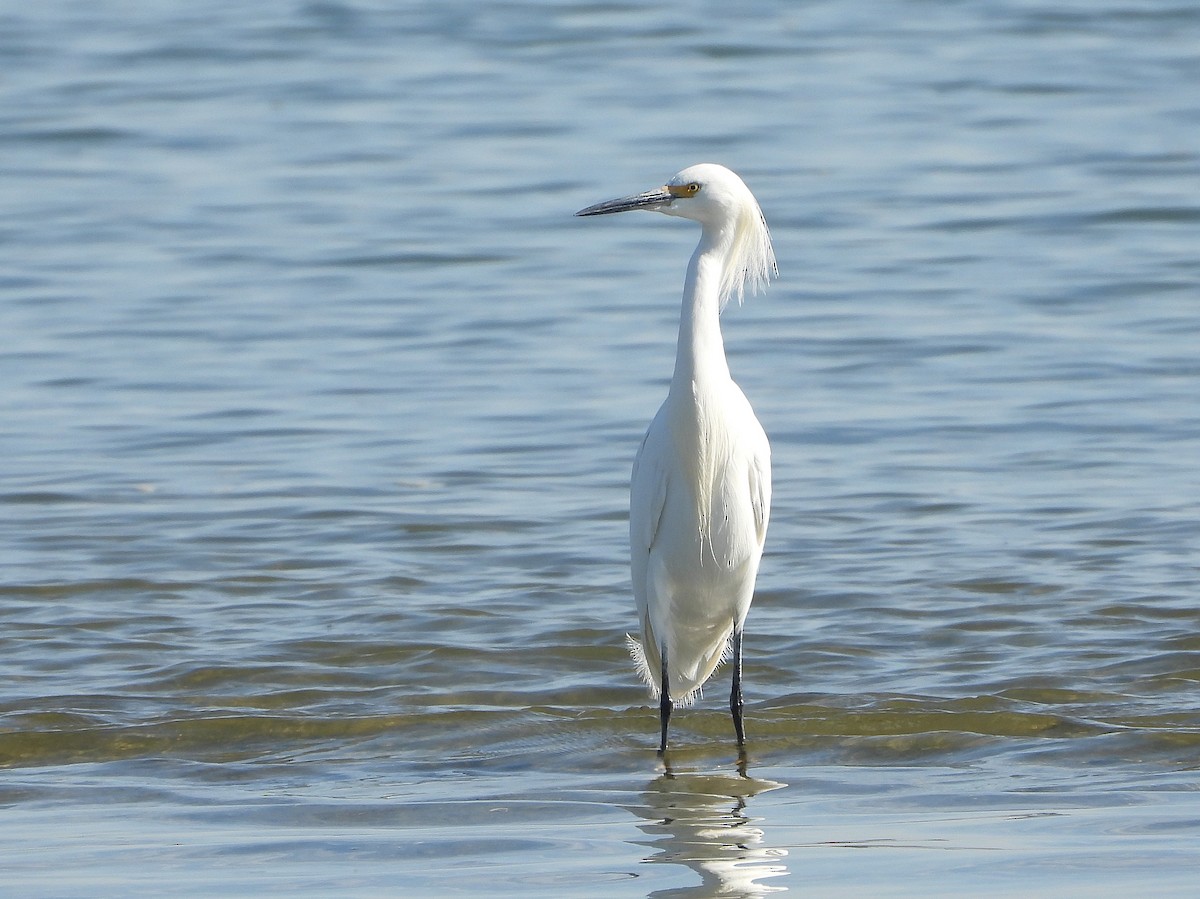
x=319, y=407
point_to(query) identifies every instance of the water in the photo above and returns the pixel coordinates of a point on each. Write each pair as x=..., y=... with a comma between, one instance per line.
x=318, y=411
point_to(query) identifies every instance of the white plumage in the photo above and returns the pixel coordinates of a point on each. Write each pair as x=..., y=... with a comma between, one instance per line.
x=701, y=492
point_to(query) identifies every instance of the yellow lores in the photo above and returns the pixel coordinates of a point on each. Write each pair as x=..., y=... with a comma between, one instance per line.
x=701, y=492
x=679, y=191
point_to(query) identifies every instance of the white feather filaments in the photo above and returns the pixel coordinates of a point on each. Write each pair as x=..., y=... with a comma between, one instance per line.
x=751, y=260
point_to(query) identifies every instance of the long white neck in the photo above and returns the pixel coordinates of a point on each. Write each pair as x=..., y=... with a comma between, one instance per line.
x=700, y=354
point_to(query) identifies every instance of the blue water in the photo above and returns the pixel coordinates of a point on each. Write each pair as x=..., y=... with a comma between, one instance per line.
x=318, y=407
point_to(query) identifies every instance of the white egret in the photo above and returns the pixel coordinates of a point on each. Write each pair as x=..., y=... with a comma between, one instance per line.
x=701, y=491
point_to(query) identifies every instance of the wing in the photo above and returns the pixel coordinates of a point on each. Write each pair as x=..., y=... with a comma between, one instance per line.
x=647, y=499
x=760, y=491
x=647, y=496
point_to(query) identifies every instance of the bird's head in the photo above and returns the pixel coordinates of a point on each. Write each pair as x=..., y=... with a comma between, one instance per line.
x=720, y=201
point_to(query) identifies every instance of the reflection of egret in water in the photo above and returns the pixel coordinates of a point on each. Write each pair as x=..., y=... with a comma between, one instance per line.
x=700, y=821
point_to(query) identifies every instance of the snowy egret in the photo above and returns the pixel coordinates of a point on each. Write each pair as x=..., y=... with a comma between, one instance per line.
x=701, y=491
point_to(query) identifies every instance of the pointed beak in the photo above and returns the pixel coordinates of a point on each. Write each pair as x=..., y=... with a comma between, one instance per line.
x=651, y=199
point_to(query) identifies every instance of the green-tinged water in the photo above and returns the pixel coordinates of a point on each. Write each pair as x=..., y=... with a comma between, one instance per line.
x=317, y=409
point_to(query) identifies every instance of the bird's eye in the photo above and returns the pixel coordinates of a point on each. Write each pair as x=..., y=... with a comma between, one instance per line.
x=684, y=190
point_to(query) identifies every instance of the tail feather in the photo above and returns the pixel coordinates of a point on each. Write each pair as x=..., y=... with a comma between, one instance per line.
x=648, y=674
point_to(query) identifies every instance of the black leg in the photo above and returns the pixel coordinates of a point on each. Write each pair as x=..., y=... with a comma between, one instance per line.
x=735, y=694
x=665, y=705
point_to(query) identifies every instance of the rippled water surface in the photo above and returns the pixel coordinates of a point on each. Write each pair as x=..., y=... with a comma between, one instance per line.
x=318, y=409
